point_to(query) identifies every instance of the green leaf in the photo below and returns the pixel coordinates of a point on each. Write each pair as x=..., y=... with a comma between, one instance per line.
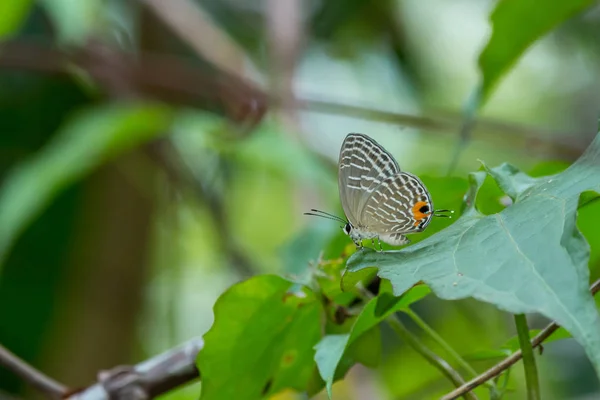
x=85, y=142
x=515, y=26
x=74, y=21
x=331, y=348
x=329, y=352
x=386, y=301
x=512, y=181
x=12, y=16
x=261, y=341
x=482, y=355
x=530, y=257
x=350, y=280
x=366, y=349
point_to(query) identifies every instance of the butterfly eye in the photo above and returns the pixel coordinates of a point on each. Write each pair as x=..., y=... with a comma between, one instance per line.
x=347, y=229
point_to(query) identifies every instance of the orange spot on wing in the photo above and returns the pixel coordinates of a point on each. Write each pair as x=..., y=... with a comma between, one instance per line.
x=417, y=214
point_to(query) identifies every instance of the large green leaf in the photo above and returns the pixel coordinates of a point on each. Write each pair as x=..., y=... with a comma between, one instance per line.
x=12, y=15
x=331, y=348
x=85, y=142
x=530, y=257
x=515, y=26
x=261, y=341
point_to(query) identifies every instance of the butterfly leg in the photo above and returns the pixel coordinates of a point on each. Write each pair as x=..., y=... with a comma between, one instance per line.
x=380, y=247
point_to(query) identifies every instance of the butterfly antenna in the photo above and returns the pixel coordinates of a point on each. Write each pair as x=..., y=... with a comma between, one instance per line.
x=327, y=214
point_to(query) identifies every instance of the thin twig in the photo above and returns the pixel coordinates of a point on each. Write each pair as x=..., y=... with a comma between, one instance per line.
x=561, y=143
x=445, y=345
x=531, y=374
x=428, y=354
x=510, y=360
x=29, y=374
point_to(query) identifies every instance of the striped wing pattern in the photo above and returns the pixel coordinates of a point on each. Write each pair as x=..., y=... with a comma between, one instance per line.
x=376, y=196
x=401, y=204
x=363, y=165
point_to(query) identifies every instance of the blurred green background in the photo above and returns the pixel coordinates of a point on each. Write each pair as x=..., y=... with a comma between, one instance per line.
x=146, y=191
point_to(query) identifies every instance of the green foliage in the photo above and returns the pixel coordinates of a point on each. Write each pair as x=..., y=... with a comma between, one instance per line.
x=332, y=347
x=512, y=345
x=515, y=26
x=74, y=20
x=271, y=334
x=12, y=16
x=356, y=337
x=530, y=257
x=87, y=141
x=261, y=340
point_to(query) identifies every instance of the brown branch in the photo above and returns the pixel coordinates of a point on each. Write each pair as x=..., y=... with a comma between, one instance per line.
x=29, y=374
x=162, y=77
x=560, y=143
x=148, y=379
x=173, y=80
x=510, y=360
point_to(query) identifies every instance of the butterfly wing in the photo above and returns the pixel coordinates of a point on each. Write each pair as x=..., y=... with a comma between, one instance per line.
x=363, y=166
x=401, y=204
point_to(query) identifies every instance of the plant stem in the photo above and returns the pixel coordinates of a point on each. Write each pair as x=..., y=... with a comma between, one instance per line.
x=440, y=341
x=428, y=354
x=531, y=376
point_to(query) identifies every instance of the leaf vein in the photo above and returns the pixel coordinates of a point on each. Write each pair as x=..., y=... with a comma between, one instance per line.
x=536, y=272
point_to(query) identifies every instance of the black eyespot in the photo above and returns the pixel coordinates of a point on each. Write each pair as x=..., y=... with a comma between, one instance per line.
x=424, y=209
x=347, y=229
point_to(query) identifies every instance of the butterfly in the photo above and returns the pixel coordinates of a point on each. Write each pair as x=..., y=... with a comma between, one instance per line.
x=379, y=200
